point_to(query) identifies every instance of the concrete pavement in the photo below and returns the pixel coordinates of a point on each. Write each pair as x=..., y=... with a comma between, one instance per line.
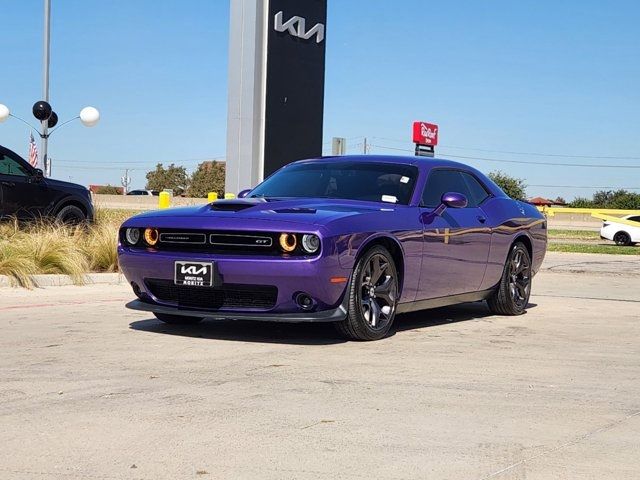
x=92, y=390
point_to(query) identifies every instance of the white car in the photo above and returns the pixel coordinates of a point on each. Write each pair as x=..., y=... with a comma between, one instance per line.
x=621, y=233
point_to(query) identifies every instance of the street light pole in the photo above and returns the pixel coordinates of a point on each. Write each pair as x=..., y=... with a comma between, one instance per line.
x=45, y=83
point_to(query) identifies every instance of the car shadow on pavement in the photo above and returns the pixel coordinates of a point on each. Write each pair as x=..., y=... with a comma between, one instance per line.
x=309, y=333
x=444, y=315
x=441, y=316
x=247, y=331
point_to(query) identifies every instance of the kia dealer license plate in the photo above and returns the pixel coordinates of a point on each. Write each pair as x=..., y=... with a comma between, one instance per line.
x=194, y=274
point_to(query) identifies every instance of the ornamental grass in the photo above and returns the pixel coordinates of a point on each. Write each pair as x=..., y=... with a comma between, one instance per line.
x=44, y=247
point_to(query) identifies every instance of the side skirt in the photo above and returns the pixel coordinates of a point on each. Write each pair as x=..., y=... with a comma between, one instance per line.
x=444, y=301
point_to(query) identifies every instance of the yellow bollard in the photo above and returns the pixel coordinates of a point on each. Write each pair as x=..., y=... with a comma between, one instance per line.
x=212, y=196
x=164, y=200
x=229, y=196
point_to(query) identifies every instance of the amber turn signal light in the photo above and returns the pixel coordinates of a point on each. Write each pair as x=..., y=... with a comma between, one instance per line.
x=288, y=242
x=151, y=236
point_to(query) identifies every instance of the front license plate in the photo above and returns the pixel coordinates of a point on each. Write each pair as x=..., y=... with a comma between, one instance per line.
x=195, y=274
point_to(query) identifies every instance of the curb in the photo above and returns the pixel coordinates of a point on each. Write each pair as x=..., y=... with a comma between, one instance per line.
x=41, y=281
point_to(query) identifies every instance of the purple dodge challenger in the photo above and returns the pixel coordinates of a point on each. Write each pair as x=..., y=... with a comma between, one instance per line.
x=352, y=240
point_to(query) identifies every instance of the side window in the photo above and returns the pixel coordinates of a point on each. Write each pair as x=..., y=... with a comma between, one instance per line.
x=635, y=219
x=478, y=193
x=443, y=181
x=9, y=166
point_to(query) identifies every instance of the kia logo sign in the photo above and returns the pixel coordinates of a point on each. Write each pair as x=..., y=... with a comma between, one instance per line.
x=193, y=270
x=296, y=26
x=425, y=133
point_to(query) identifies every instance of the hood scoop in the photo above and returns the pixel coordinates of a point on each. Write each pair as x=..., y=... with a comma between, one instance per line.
x=231, y=206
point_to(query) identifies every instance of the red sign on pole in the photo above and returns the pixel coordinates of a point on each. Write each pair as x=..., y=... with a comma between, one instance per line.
x=425, y=133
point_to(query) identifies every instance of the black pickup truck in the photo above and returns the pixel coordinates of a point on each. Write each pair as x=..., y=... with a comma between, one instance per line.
x=26, y=194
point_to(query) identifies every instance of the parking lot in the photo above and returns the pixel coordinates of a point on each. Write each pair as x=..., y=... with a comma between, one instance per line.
x=92, y=390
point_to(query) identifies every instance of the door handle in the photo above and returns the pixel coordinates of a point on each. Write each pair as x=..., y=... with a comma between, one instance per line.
x=482, y=219
x=8, y=184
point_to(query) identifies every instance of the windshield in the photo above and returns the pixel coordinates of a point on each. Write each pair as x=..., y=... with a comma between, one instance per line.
x=374, y=182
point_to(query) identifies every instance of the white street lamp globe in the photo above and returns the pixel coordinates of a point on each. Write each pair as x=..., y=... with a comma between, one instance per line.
x=89, y=116
x=4, y=112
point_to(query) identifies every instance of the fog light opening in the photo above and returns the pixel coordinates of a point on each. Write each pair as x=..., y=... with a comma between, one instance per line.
x=136, y=289
x=304, y=301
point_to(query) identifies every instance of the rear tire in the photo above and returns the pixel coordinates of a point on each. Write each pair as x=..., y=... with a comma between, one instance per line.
x=177, y=319
x=512, y=295
x=622, y=239
x=373, y=297
x=71, y=215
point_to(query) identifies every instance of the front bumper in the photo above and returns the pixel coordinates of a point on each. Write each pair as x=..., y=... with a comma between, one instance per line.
x=290, y=276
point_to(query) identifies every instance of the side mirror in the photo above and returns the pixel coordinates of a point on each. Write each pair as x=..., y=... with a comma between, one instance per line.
x=454, y=200
x=244, y=193
x=38, y=175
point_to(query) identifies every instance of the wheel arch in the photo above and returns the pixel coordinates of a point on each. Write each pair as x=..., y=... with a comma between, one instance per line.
x=395, y=249
x=524, y=239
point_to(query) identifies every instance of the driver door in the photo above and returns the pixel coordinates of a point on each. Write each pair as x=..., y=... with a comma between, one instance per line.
x=455, y=243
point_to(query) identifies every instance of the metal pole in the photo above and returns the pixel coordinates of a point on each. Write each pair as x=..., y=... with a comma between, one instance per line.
x=45, y=83
x=365, y=147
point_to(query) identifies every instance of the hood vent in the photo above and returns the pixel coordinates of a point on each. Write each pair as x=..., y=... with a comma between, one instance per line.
x=295, y=210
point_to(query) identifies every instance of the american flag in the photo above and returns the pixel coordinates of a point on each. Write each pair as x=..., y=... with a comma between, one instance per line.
x=33, y=152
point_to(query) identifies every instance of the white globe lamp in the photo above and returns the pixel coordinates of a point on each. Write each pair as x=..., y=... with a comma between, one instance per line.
x=4, y=112
x=89, y=116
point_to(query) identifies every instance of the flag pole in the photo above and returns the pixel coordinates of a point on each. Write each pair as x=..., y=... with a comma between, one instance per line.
x=45, y=83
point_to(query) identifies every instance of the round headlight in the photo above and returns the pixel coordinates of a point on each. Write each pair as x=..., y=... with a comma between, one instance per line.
x=310, y=243
x=288, y=242
x=151, y=236
x=132, y=235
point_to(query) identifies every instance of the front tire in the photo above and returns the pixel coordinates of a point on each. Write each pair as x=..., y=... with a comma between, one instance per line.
x=177, y=319
x=512, y=295
x=622, y=239
x=373, y=297
x=71, y=215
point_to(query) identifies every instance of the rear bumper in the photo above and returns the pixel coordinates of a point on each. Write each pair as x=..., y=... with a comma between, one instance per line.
x=333, y=315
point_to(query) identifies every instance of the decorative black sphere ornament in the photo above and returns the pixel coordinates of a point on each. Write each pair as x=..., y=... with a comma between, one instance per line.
x=53, y=120
x=41, y=110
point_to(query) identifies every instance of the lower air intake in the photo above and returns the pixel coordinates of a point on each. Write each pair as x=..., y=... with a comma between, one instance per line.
x=230, y=296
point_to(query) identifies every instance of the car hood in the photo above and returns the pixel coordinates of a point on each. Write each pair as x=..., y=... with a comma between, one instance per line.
x=52, y=182
x=300, y=211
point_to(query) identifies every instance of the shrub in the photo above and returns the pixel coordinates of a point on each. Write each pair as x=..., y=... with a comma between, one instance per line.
x=108, y=190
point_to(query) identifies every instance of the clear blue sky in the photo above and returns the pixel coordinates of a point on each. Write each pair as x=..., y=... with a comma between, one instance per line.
x=545, y=76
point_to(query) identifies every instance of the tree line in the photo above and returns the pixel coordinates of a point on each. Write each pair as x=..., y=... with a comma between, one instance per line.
x=208, y=177
x=615, y=199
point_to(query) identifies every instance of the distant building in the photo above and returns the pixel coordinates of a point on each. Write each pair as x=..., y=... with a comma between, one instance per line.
x=544, y=202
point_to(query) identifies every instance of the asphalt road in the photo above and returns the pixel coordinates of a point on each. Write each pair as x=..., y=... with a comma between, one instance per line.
x=90, y=390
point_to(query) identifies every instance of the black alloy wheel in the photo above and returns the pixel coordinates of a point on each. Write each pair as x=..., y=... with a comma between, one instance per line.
x=511, y=296
x=373, y=297
x=622, y=239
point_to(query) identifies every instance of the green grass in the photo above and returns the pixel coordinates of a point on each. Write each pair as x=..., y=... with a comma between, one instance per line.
x=586, y=248
x=574, y=234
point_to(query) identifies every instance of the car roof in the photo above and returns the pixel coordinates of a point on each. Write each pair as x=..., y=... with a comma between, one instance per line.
x=399, y=159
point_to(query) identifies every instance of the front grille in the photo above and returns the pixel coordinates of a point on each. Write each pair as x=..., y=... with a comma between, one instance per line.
x=229, y=296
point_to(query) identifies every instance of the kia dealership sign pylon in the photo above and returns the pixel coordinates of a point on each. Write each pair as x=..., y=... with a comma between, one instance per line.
x=276, y=86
